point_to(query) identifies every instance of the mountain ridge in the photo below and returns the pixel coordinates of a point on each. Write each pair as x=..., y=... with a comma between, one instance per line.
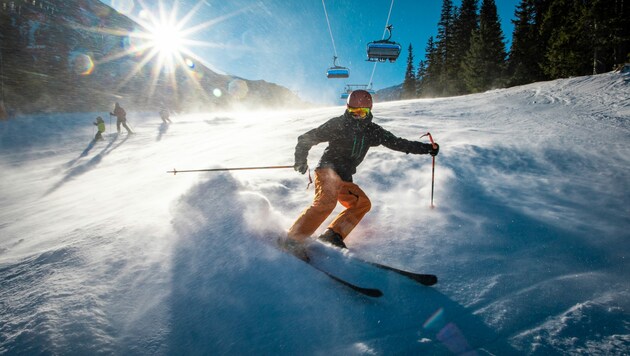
x=79, y=57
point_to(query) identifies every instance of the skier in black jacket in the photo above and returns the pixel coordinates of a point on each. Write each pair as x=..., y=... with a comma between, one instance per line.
x=349, y=138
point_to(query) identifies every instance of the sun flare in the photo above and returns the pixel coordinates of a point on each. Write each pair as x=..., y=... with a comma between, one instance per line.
x=163, y=43
x=167, y=40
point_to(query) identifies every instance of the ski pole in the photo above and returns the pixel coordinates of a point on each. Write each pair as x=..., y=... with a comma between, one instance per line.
x=432, y=167
x=175, y=171
x=128, y=123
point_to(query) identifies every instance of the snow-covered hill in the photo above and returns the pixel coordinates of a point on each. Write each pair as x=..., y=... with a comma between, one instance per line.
x=102, y=251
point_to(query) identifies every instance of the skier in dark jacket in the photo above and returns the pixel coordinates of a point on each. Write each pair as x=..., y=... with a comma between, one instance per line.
x=349, y=138
x=121, y=118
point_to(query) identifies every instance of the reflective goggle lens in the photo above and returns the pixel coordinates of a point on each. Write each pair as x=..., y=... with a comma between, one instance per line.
x=362, y=112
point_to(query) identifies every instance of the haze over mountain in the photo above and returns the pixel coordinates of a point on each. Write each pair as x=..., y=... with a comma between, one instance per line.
x=59, y=56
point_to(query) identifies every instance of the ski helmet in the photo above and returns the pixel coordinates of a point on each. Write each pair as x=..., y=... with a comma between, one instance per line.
x=359, y=99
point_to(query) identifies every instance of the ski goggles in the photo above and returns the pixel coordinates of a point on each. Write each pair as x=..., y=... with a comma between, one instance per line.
x=360, y=112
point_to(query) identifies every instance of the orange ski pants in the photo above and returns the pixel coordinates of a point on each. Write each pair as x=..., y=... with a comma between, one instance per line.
x=329, y=188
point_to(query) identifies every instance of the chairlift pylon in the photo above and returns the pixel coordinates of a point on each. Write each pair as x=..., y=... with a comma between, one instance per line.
x=337, y=71
x=383, y=50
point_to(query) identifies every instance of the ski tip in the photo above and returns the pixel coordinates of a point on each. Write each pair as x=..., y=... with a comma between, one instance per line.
x=428, y=279
x=374, y=293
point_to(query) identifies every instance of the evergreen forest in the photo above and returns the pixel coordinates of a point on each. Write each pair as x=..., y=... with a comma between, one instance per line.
x=551, y=39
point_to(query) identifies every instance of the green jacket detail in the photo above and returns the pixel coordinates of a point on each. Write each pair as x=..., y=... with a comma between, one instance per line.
x=349, y=140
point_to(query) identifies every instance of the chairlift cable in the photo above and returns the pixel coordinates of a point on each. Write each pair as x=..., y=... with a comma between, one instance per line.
x=335, y=71
x=391, y=6
x=329, y=29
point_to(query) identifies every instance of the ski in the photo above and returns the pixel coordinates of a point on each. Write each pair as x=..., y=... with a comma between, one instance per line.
x=424, y=279
x=370, y=292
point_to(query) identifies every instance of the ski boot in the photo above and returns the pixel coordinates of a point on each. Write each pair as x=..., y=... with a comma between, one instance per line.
x=333, y=238
x=294, y=247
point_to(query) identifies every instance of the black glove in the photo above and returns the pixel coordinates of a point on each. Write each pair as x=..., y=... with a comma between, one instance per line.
x=434, y=151
x=301, y=167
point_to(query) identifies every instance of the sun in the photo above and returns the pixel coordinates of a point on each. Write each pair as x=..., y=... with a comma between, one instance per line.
x=164, y=42
x=164, y=37
x=167, y=40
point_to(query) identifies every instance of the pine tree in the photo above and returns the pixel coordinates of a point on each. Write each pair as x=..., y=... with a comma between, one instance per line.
x=428, y=82
x=420, y=76
x=409, y=85
x=466, y=23
x=445, y=71
x=610, y=32
x=585, y=37
x=474, y=67
x=568, y=49
x=485, y=62
x=525, y=54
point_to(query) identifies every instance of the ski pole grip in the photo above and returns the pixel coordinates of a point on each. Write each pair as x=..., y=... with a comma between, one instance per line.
x=430, y=139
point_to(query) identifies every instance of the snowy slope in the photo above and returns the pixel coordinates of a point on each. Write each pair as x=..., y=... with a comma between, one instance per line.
x=101, y=251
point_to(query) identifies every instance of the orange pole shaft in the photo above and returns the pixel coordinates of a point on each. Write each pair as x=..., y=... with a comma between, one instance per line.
x=432, y=168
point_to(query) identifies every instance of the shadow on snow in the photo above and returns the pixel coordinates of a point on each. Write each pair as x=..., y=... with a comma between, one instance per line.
x=87, y=166
x=162, y=130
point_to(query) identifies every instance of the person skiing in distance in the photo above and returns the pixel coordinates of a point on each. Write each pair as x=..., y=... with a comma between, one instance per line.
x=349, y=138
x=100, y=125
x=121, y=117
x=165, y=115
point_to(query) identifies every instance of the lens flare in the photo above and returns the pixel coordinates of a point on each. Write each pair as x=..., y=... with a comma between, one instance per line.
x=238, y=88
x=82, y=64
x=162, y=45
x=435, y=321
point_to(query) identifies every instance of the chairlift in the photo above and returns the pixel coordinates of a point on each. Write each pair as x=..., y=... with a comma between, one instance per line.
x=352, y=87
x=337, y=71
x=383, y=50
x=372, y=92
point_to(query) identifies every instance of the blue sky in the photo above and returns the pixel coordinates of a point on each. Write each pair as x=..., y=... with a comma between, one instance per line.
x=288, y=42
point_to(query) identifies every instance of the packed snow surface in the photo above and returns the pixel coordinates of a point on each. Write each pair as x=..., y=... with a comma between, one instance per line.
x=102, y=251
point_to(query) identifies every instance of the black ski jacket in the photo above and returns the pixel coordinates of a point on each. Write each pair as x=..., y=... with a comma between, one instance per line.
x=349, y=140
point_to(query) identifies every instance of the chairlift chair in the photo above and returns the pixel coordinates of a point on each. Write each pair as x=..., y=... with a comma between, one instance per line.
x=337, y=71
x=352, y=87
x=383, y=50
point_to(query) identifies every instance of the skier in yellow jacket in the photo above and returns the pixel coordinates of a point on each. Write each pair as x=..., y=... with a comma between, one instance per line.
x=100, y=124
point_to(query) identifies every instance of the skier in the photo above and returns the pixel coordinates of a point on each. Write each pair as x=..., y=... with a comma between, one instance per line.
x=121, y=117
x=349, y=138
x=165, y=115
x=100, y=124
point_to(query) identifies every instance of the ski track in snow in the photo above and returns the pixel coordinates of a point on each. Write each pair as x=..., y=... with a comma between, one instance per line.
x=101, y=251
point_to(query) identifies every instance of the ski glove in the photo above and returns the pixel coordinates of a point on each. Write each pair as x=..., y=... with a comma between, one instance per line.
x=434, y=151
x=301, y=167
